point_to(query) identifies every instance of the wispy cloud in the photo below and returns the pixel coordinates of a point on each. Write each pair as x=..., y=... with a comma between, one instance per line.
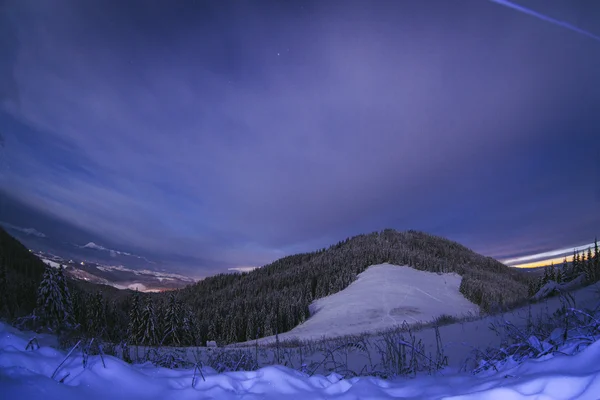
x=28, y=231
x=547, y=255
x=242, y=269
x=209, y=141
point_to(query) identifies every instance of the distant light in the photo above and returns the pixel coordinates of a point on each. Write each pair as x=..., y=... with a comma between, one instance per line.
x=82, y=263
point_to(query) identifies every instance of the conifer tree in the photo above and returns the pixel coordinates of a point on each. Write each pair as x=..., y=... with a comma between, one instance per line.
x=68, y=312
x=97, y=315
x=559, y=276
x=190, y=328
x=149, y=332
x=173, y=321
x=567, y=273
x=134, y=329
x=552, y=274
x=50, y=306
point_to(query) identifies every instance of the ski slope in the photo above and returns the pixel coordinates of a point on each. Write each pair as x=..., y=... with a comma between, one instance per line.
x=384, y=296
x=27, y=374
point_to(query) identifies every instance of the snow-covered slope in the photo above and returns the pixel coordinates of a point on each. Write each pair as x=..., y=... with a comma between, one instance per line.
x=382, y=297
x=29, y=375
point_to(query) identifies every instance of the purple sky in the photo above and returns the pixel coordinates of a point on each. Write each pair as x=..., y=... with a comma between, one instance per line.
x=234, y=133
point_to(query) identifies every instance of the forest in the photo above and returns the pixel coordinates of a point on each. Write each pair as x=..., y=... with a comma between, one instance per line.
x=237, y=307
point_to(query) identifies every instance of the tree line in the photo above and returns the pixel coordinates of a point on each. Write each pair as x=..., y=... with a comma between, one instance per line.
x=237, y=307
x=585, y=264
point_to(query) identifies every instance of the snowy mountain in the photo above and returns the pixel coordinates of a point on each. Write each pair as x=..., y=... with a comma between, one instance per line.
x=118, y=276
x=113, y=253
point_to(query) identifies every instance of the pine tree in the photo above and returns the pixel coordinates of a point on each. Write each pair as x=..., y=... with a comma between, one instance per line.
x=552, y=274
x=574, y=266
x=190, y=328
x=50, y=306
x=567, y=274
x=149, y=333
x=134, y=329
x=68, y=317
x=97, y=315
x=530, y=288
x=559, y=276
x=173, y=322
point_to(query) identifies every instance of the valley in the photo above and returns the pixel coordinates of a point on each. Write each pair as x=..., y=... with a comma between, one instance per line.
x=118, y=276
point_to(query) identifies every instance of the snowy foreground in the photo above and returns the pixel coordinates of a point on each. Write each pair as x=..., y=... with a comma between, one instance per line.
x=27, y=374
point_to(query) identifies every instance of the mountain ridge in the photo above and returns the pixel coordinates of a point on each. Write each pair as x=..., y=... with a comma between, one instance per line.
x=275, y=297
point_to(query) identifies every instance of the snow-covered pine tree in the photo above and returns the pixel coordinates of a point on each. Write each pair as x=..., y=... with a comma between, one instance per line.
x=50, y=310
x=149, y=332
x=69, y=317
x=134, y=329
x=190, y=328
x=173, y=322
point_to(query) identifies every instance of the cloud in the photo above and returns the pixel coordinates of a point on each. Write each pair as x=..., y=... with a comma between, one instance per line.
x=547, y=255
x=242, y=269
x=28, y=231
x=238, y=145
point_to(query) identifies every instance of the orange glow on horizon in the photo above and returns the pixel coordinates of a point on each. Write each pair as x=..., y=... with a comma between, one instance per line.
x=543, y=263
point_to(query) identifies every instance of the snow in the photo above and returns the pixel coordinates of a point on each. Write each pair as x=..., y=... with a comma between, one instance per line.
x=51, y=263
x=382, y=297
x=552, y=287
x=27, y=374
x=92, y=245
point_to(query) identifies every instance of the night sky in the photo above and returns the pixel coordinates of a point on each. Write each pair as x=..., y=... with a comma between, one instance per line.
x=231, y=133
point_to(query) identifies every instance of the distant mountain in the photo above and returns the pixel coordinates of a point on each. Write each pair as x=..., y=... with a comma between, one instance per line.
x=118, y=276
x=114, y=253
x=276, y=297
x=23, y=271
x=90, y=252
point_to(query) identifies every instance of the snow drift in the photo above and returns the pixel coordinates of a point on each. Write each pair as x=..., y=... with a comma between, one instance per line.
x=27, y=374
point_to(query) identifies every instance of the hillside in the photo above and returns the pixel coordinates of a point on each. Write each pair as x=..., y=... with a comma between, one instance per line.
x=276, y=298
x=381, y=298
x=20, y=275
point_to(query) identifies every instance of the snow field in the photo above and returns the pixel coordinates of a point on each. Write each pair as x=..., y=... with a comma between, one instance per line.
x=27, y=375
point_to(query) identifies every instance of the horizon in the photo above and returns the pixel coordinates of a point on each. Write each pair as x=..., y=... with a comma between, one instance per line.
x=209, y=137
x=526, y=261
